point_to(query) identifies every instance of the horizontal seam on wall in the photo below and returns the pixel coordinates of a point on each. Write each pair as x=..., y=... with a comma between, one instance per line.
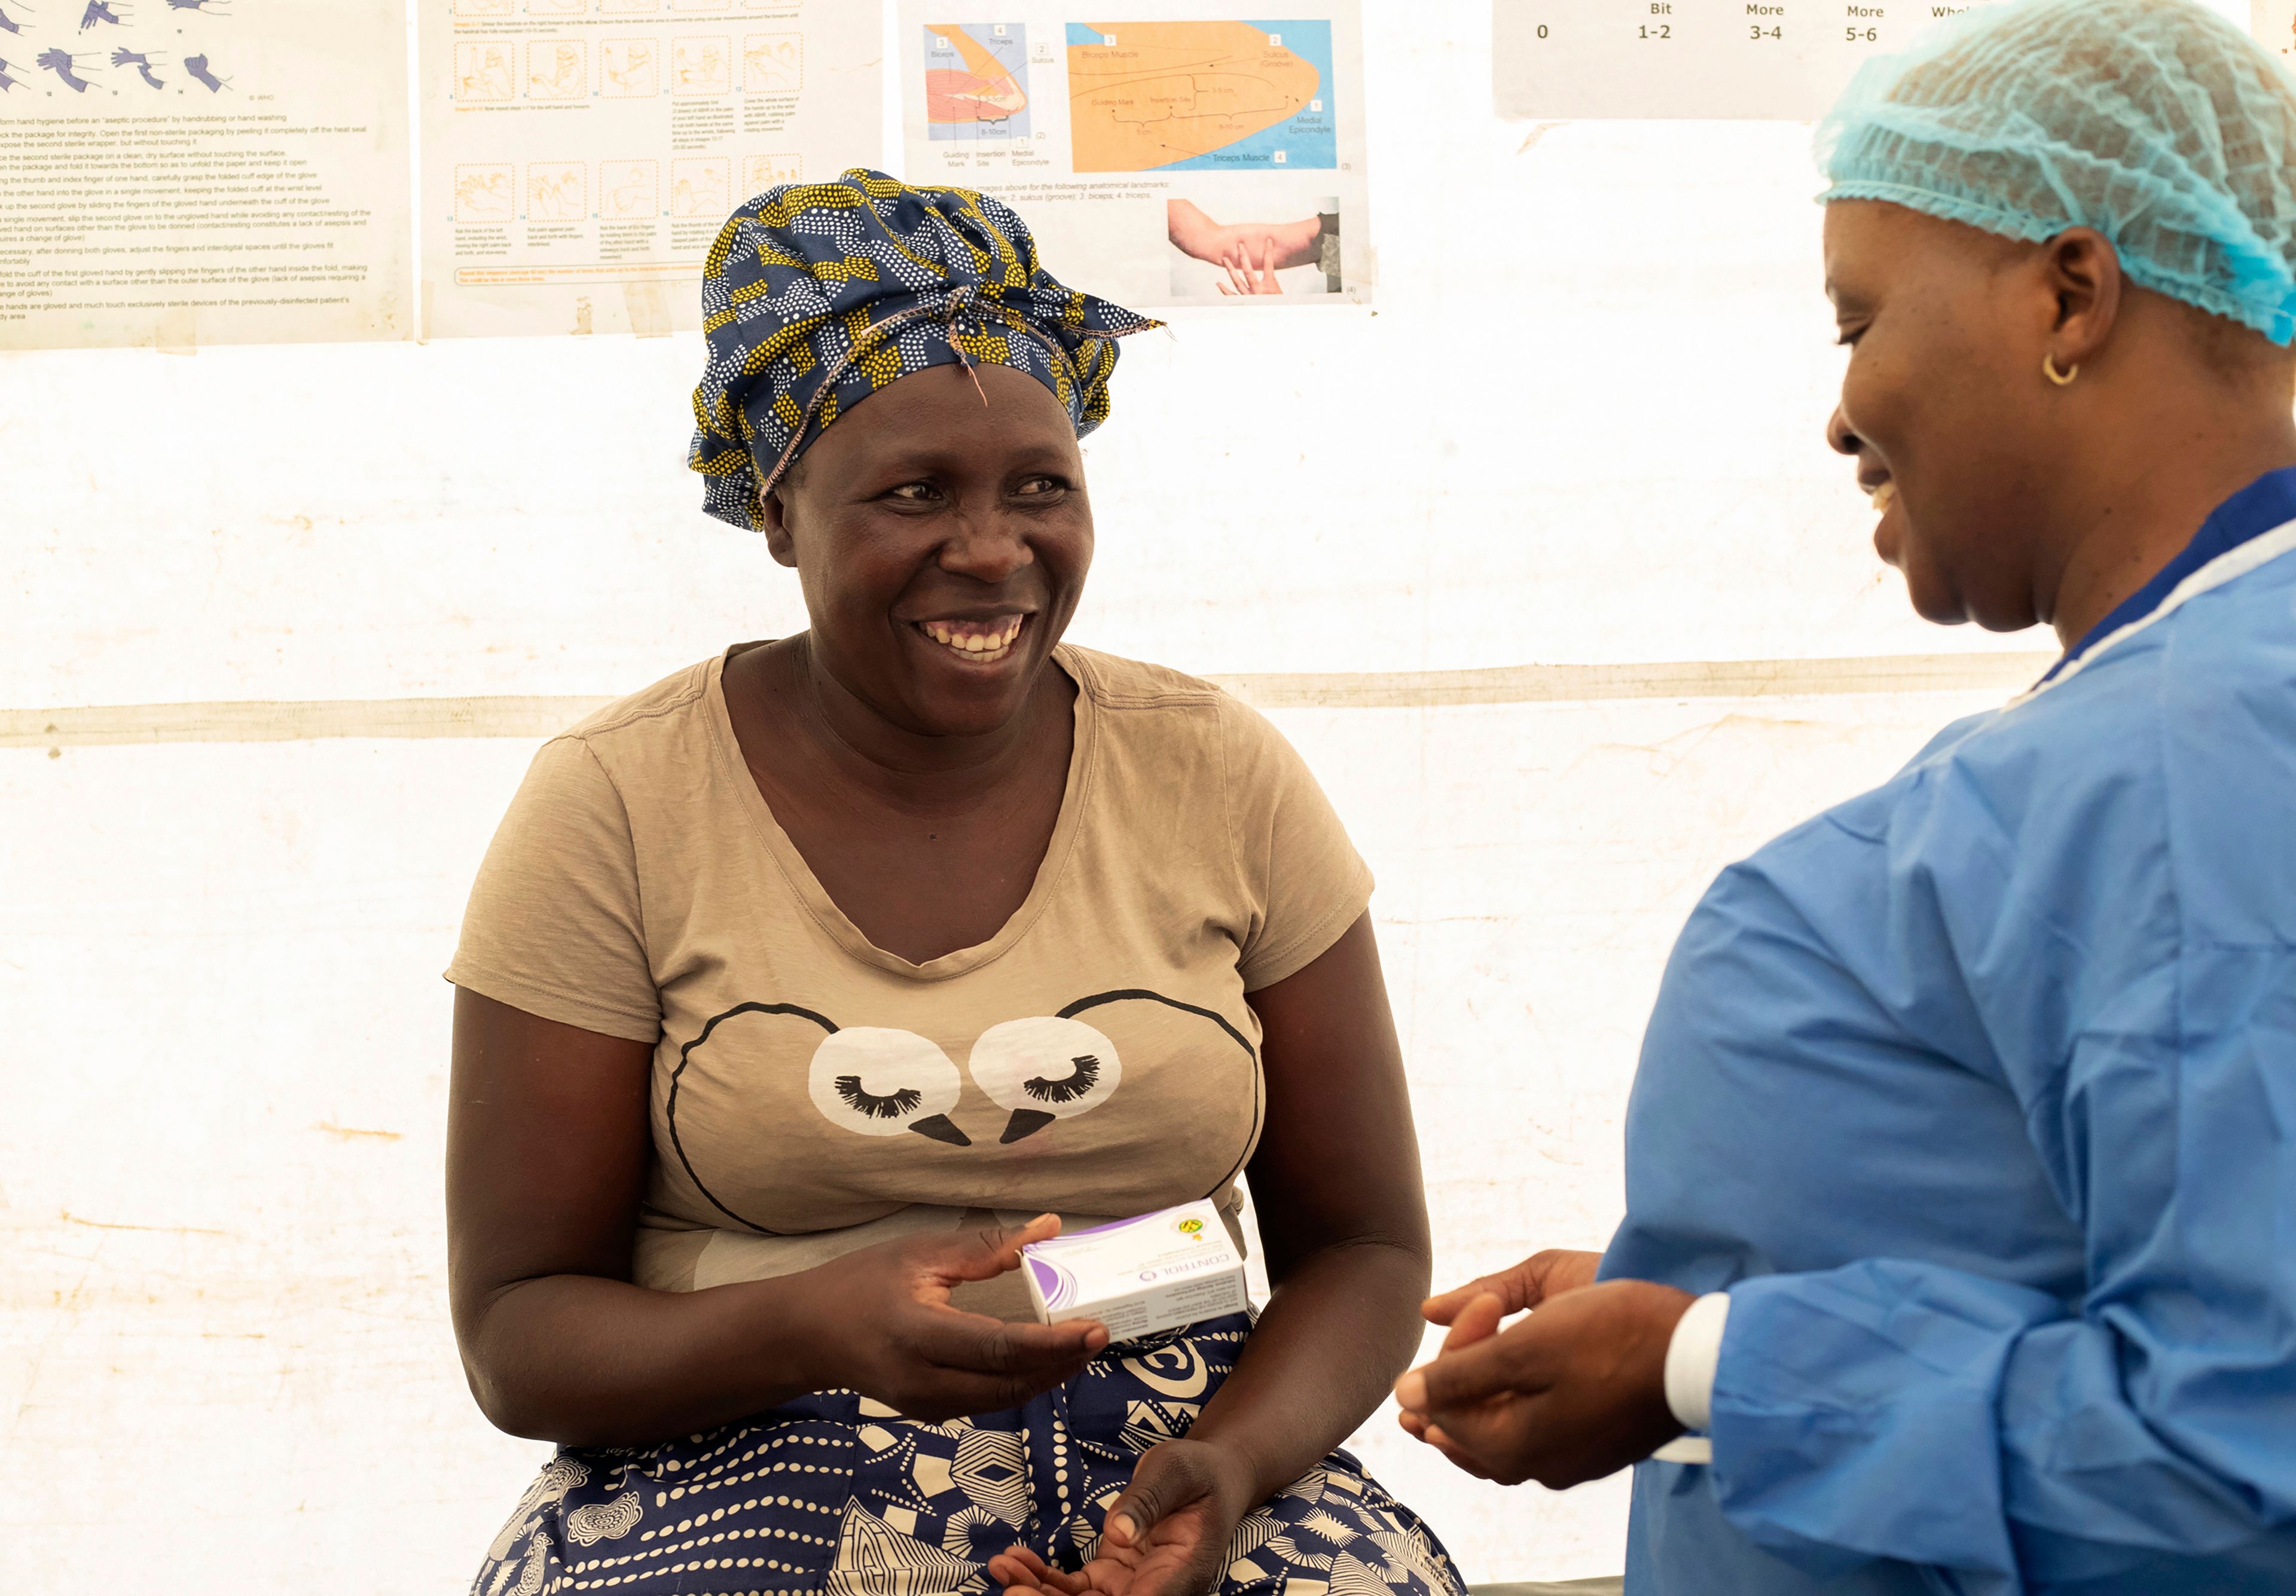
x=285, y=720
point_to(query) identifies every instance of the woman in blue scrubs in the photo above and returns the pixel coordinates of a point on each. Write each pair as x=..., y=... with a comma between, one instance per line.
x=1961, y=1164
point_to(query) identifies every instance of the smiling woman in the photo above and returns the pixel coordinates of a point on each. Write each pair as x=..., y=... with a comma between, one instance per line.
x=801, y=989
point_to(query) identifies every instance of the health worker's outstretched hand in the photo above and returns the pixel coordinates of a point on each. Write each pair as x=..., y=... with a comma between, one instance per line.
x=1167, y=1535
x=1572, y=1393
x=1530, y=1283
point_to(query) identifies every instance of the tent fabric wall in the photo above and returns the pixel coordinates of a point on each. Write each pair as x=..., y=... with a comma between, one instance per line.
x=1581, y=424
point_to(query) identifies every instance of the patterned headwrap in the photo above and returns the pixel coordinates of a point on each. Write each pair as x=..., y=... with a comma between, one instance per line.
x=817, y=295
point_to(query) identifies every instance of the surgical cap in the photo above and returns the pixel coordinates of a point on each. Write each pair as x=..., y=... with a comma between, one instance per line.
x=2156, y=122
x=817, y=295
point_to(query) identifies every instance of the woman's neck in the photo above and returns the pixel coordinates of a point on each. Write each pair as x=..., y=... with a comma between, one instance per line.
x=2148, y=497
x=911, y=770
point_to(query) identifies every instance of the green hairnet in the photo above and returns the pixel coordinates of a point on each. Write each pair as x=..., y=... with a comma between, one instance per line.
x=2156, y=122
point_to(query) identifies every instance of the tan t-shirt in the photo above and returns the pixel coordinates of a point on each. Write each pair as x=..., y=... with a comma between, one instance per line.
x=812, y=1092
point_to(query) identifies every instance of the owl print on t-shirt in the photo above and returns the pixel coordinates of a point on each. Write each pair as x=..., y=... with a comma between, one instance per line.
x=777, y=1111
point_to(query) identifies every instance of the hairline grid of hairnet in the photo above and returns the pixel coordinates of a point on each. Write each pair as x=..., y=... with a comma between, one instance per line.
x=2156, y=122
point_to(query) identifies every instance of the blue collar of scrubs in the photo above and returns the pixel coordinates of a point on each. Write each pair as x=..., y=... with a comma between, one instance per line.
x=2264, y=504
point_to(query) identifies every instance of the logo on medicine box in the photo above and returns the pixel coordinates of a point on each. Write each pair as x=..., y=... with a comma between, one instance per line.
x=1191, y=1227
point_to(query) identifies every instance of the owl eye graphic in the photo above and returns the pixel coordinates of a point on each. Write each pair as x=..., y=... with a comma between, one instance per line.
x=1083, y=1074
x=1043, y=1069
x=882, y=1082
x=899, y=1105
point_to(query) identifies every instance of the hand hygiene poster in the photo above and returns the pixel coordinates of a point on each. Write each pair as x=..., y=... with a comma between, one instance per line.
x=181, y=172
x=1163, y=153
x=580, y=156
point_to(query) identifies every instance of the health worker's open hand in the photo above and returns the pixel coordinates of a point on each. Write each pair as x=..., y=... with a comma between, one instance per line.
x=1527, y=1284
x=886, y=1328
x=1167, y=1535
x=1574, y=1392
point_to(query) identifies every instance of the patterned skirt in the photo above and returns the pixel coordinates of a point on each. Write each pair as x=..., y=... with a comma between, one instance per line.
x=837, y=1493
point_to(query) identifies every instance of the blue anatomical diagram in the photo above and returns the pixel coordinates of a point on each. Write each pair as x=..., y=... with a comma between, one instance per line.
x=196, y=66
x=60, y=62
x=10, y=24
x=141, y=63
x=6, y=82
x=98, y=11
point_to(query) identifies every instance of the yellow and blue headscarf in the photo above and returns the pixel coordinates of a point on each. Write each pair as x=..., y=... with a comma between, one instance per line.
x=817, y=295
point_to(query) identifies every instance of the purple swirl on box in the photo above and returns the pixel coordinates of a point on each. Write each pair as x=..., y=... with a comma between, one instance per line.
x=1057, y=1285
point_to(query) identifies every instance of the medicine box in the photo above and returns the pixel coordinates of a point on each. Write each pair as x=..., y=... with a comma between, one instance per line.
x=1161, y=1271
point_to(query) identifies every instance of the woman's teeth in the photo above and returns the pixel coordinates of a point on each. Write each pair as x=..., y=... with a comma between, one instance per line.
x=1884, y=496
x=982, y=642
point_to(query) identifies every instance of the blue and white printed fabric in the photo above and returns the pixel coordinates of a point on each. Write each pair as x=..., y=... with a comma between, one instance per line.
x=836, y=1493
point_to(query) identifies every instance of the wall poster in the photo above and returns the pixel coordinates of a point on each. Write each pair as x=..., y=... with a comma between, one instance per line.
x=1163, y=153
x=181, y=172
x=1784, y=60
x=580, y=156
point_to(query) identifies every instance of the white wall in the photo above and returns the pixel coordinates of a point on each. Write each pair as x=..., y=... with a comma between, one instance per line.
x=1582, y=424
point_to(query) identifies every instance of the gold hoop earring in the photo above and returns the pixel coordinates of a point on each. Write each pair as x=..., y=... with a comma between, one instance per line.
x=2061, y=378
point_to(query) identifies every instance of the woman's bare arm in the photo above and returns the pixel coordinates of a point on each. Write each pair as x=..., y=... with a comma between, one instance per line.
x=1342, y=1215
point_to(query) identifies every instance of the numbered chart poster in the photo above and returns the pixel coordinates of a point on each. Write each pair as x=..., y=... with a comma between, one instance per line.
x=1558, y=60
x=580, y=156
x=1785, y=59
x=1164, y=153
x=202, y=172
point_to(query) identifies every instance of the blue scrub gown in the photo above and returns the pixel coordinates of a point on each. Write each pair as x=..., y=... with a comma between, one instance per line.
x=1977, y=1093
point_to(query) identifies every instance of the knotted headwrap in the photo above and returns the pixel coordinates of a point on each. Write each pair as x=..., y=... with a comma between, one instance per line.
x=817, y=295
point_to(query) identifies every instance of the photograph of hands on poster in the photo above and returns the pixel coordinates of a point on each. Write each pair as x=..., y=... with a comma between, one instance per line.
x=1242, y=258
x=1178, y=154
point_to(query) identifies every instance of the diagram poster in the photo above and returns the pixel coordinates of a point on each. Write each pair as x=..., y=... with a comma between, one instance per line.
x=580, y=156
x=1163, y=153
x=181, y=172
x=1786, y=59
